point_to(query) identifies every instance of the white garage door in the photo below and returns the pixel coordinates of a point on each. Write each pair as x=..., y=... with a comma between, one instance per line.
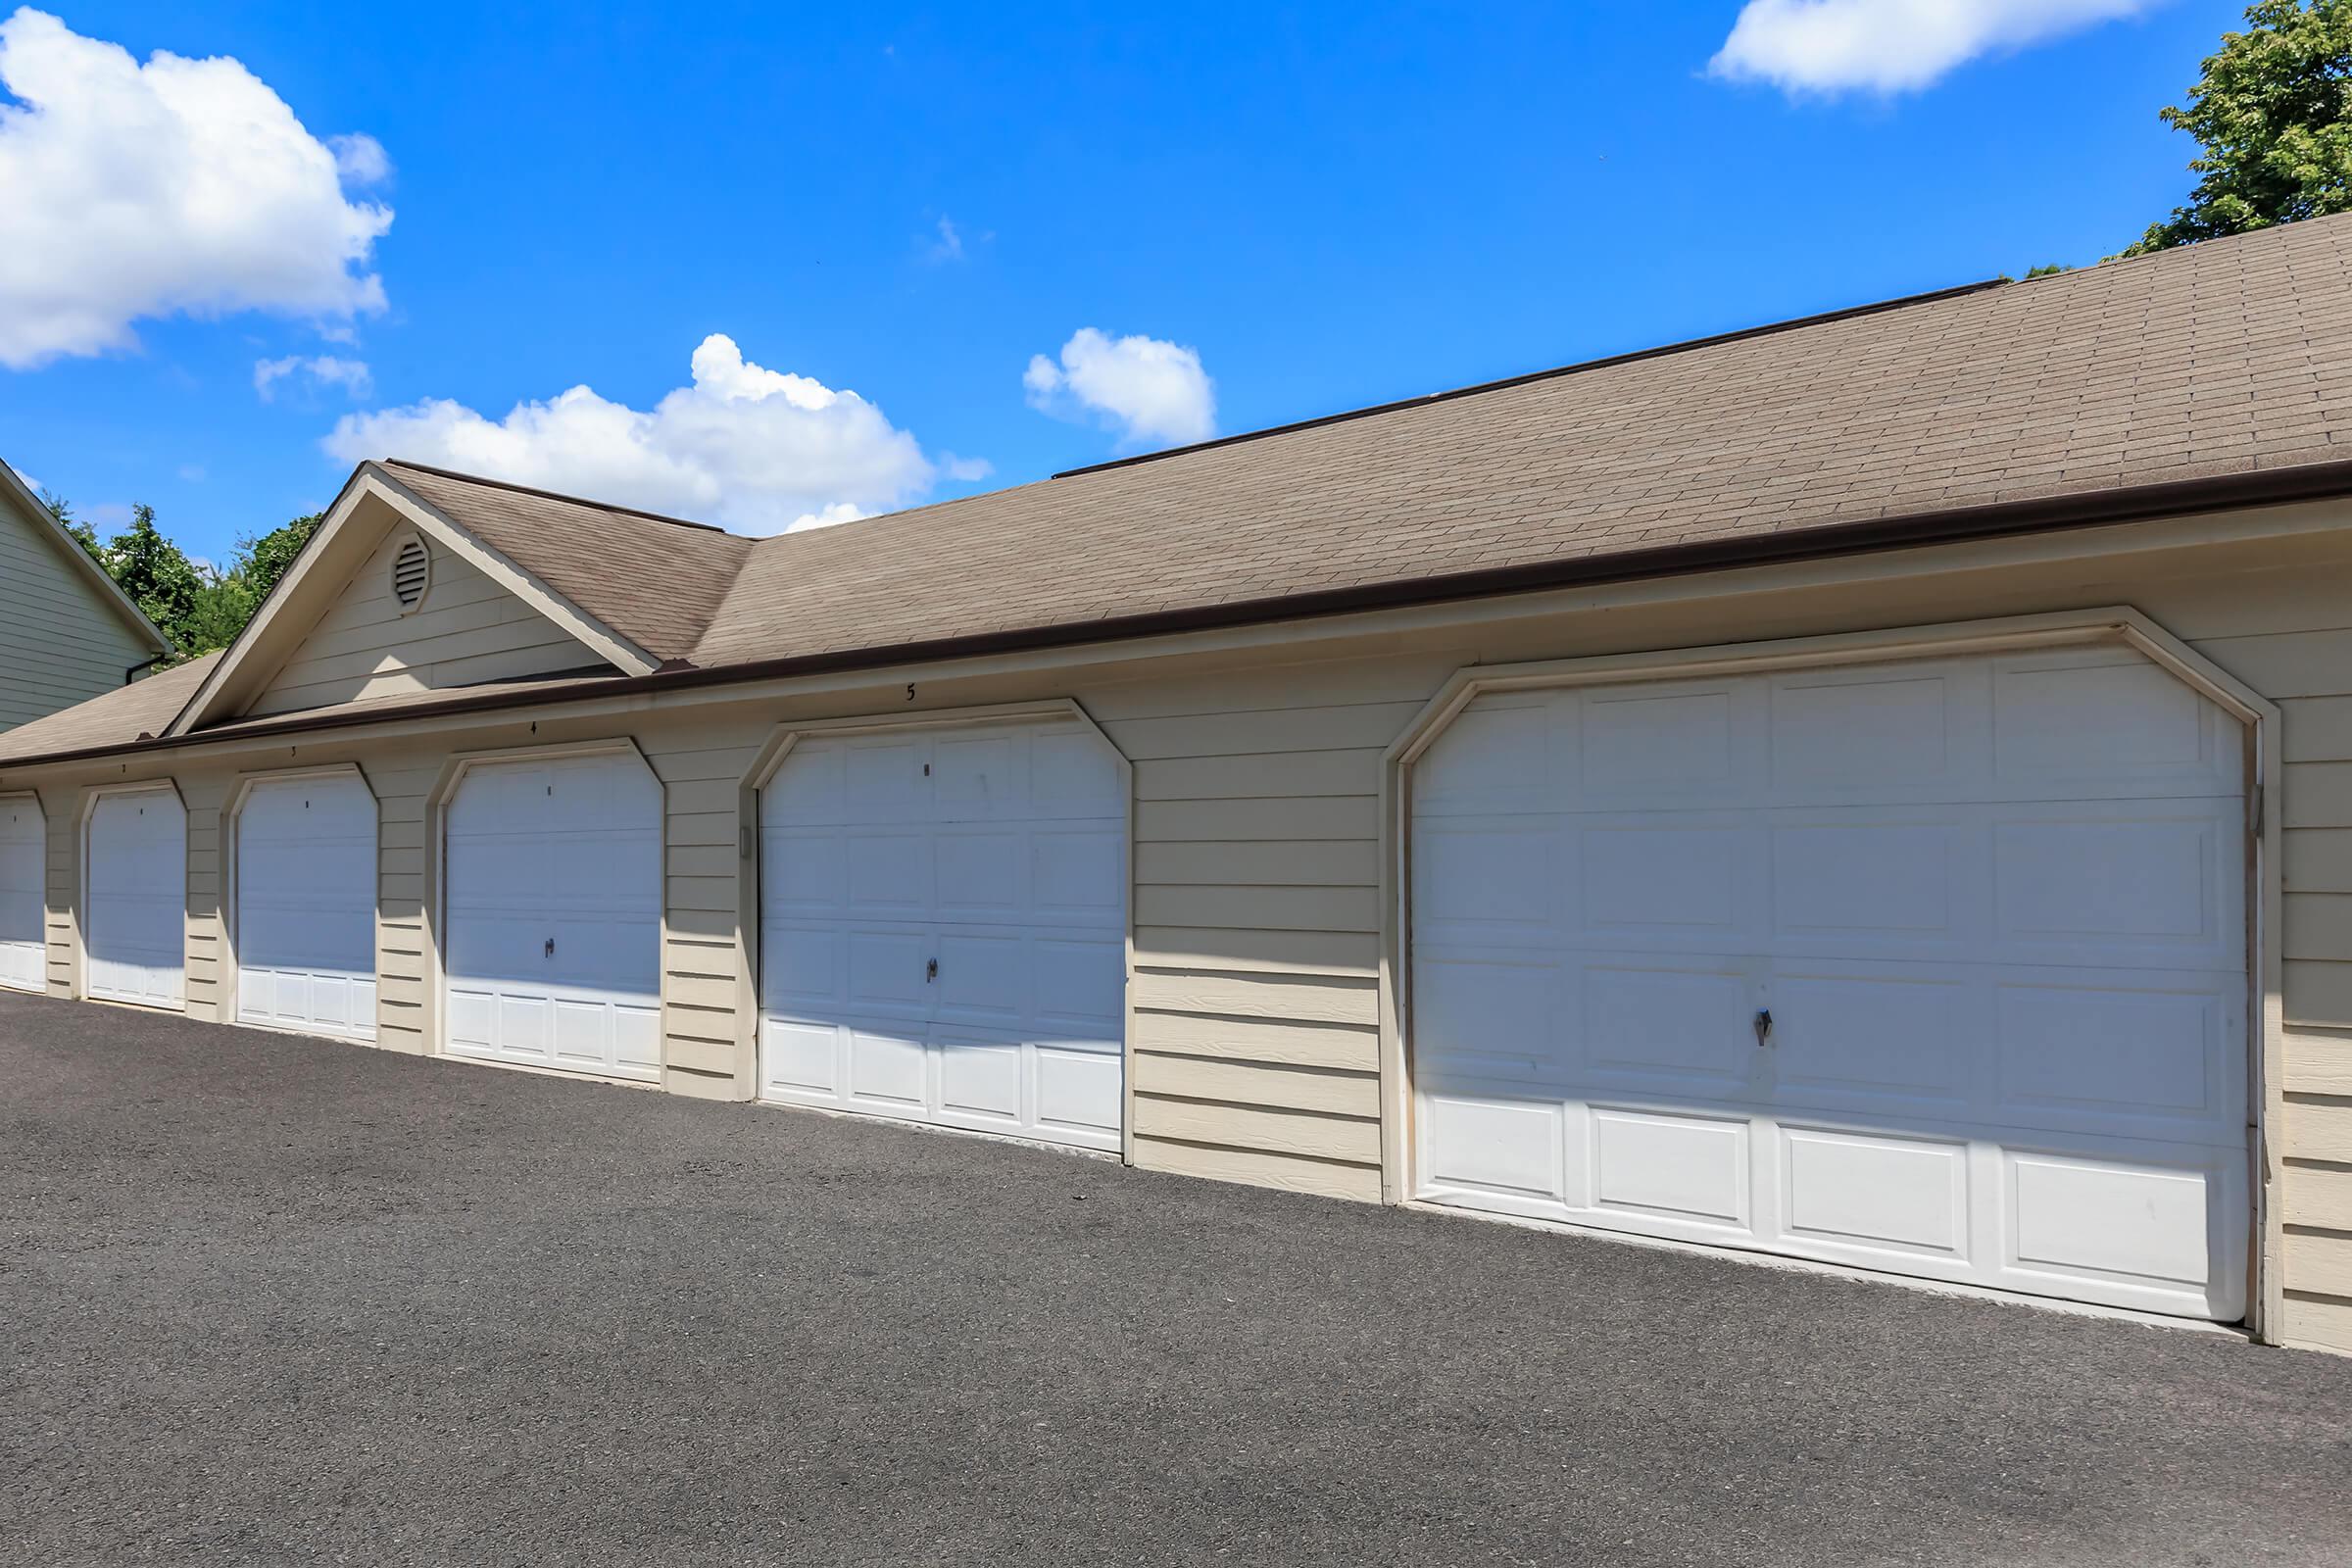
x=306, y=906
x=24, y=861
x=553, y=924
x=942, y=929
x=134, y=919
x=1936, y=968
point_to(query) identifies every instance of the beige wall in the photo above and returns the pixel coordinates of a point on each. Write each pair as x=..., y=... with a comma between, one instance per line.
x=61, y=642
x=1258, y=903
x=468, y=630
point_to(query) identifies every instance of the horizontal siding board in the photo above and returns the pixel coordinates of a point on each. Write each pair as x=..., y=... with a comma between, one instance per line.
x=1339, y=862
x=2319, y=1129
x=704, y=827
x=1373, y=726
x=2318, y=1322
x=2318, y=1195
x=2300, y=664
x=2318, y=795
x=1330, y=683
x=2319, y=925
x=1264, y=908
x=2319, y=994
x=2318, y=860
x=1313, y=817
x=2317, y=729
x=1257, y=1168
x=1302, y=999
x=1281, y=1132
x=2319, y=1064
x=1275, y=775
x=2319, y=1261
x=1306, y=1044
x=1319, y=953
x=1259, y=1084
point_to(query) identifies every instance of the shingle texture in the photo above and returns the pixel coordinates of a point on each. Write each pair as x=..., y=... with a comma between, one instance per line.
x=656, y=581
x=2222, y=357
x=142, y=707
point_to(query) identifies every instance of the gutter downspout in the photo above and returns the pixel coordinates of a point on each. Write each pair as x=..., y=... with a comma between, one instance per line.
x=132, y=673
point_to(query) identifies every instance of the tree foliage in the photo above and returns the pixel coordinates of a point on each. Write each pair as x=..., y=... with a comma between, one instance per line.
x=201, y=606
x=2273, y=112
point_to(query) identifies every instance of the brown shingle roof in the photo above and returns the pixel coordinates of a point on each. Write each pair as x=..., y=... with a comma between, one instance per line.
x=2222, y=359
x=655, y=580
x=115, y=719
x=2227, y=355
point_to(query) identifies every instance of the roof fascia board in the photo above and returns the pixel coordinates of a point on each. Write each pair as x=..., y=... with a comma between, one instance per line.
x=121, y=603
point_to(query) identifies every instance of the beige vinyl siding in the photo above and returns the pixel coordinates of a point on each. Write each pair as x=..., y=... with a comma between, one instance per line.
x=468, y=630
x=62, y=641
x=1257, y=910
x=1258, y=858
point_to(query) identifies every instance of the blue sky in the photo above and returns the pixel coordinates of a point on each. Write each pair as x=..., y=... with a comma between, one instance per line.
x=1329, y=206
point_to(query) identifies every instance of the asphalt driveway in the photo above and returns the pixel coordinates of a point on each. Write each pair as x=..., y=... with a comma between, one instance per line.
x=275, y=1301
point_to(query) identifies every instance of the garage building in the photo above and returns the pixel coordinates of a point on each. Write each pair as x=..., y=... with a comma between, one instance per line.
x=1875, y=790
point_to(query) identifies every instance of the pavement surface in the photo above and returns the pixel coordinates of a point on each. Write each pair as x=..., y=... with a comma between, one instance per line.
x=268, y=1300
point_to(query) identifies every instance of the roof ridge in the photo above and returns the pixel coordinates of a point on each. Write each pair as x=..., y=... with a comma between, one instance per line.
x=1658, y=351
x=559, y=495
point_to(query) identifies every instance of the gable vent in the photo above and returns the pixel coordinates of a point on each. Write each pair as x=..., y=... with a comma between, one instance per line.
x=412, y=573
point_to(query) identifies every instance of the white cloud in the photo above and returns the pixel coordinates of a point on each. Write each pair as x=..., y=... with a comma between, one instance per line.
x=1148, y=390
x=1892, y=45
x=949, y=246
x=755, y=449
x=322, y=369
x=176, y=188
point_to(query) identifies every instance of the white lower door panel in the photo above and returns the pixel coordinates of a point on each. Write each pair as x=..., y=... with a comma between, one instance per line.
x=942, y=930
x=306, y=906
x=1936, y=969
x=552, y=916
x=23, y=901
x=134, y=915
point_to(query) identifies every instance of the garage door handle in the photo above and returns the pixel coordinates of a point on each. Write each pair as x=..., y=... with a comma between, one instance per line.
x=930, y=971
x=1763, y=1027
x=551, y=946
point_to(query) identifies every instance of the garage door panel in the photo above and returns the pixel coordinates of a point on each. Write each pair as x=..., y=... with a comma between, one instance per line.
x=1077, y=981
x=552, y=916
x=304, y=924
x=806, y=874
x=2115, y=1052
x=966, y=967
x=1649, y=744
x=1494, y=1145
x=1482, y=1015
x=1686, y=1167
x=1847, y=1189
x=1646, y=879
x=1491, y=873
x=1835, y=730
x=2109, y=716
x=2086, y=1216
x=1876, y=1037
x=1670, y=1026
x=1078, y=872
x=23, y=895
x=1994, y=906
x=135, y=919
x=1079, y=1092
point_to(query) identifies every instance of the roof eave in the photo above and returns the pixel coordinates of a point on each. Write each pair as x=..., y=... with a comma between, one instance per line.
x=2259, y=487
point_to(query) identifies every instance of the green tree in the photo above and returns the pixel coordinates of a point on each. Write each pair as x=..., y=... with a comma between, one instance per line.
x=2274, y=114
x=83, y=534
x=265, y=559
x=155, y=573
x=200, y=606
